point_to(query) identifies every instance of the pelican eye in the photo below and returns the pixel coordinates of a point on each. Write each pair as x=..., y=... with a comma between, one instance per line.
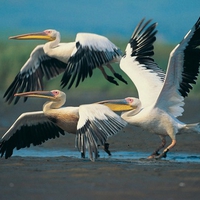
x=48, y=32
x=55, y=92
x=129, y=100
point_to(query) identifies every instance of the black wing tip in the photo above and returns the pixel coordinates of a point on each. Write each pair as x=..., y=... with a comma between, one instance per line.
x=5, y=150
x=30, y=79
x=191, y=60
x=33, y=138
x=197, y=23
x=143, y=27
x=142, y=40
x=99, y=134
x=11, y=99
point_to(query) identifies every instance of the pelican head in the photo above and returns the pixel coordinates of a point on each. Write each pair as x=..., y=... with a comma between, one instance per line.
x=54, y=95
x=126, y=104
x=49, y=34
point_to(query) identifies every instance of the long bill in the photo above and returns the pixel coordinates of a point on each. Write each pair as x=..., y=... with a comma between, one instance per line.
x=33, y=36
x=38, y=94
x=118, y=105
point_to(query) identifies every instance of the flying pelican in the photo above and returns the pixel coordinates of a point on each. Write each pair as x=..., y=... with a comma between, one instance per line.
x=161, y=97
x=92, y=124
x=75, y=59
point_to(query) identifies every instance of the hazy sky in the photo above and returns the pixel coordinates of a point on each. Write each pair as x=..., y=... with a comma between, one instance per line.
x=113, y=17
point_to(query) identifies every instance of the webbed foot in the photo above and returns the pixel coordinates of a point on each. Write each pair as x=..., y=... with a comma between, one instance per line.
x=112, y=80
x=120, y=78
x=162, y=155
x=153, y=155
x=82, y=155
x=106, y=149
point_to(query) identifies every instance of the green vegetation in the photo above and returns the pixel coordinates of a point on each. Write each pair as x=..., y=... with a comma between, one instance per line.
x=15, y=53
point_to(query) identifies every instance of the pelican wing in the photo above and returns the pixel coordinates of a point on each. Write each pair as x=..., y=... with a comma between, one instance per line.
x=182, y=71
x=97, y=123
x=30, y=128
x=139, y=65
x=91, y=51
x=31, y=75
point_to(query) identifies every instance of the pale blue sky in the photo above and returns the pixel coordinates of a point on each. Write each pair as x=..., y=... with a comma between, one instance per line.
x=113, y=17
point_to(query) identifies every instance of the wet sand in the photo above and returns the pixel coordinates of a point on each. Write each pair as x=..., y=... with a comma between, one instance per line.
x=66, y=177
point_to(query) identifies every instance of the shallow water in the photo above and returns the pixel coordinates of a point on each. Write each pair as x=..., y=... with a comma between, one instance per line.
x=118, y=155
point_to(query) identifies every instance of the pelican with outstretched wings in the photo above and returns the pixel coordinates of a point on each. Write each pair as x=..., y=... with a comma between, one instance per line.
x=161, y=97
x=76, y=60
x=92, y=124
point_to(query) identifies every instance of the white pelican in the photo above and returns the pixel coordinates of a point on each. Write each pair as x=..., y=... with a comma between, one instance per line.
x=161, y=97
x=92, y=124
x=76, y=59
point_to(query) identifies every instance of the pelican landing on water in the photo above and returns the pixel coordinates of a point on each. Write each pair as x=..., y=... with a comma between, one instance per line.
x=92, y=124
x=76, y=60
x=161, y=97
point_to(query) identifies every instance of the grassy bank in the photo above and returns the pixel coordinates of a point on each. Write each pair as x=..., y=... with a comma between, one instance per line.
x=15, y=53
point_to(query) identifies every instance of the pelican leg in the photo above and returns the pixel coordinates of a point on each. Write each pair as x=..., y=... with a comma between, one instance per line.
x=109, y=78
x=106, y=148
x=118, y=76
x=155, y=154
x=164, y=153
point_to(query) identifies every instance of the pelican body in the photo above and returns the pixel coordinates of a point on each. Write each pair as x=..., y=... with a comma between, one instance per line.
x=76, y=60
x=161, y=96
x=92, y=124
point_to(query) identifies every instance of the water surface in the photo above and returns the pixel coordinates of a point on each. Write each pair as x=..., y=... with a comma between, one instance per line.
x=118, y=155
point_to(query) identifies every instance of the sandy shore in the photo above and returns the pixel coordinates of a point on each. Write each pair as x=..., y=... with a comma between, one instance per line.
x=75, y=178
x=68, y=178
